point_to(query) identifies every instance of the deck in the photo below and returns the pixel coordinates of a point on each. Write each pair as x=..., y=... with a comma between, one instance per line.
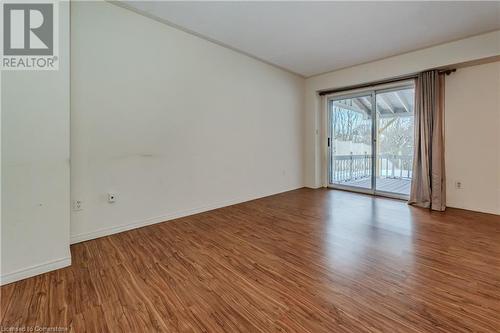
x=392, y=185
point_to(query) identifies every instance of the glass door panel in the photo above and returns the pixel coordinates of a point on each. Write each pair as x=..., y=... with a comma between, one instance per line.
x=350, y=127
x=394, y=141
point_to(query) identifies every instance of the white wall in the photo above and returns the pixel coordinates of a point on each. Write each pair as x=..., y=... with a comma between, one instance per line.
x=172, y=123
x=472, y=121
x=35, y=167
x=482, y=46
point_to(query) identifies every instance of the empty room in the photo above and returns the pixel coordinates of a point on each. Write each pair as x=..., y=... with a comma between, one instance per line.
x=250, y=166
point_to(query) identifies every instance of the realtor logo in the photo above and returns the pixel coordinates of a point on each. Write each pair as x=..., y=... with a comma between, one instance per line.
x=29, y=36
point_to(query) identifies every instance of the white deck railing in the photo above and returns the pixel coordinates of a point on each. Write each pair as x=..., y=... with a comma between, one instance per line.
x=352, y=167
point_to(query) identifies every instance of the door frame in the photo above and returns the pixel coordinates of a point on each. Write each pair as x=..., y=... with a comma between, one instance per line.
x=372, y=92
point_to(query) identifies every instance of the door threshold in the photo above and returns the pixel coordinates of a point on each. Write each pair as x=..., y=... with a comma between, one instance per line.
x=377, y=194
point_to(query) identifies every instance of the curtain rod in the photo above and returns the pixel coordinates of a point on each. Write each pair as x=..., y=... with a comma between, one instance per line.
x=374, y=83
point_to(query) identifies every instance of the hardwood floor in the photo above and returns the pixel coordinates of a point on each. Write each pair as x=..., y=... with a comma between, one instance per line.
x=303, y=261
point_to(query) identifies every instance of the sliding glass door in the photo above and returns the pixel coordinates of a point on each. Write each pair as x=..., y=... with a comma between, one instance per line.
x=394, y=141
x=351, y=126
x=370, y=141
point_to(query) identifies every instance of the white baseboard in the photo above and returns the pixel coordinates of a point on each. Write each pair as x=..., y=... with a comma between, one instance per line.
x=34, y=270
x=164, y=218
x=473, y=209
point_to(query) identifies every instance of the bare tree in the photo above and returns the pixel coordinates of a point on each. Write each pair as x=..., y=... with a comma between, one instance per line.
x=350, y=125
x=395, y=133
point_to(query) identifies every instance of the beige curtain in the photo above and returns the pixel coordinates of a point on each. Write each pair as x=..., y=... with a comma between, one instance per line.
x=428, y=187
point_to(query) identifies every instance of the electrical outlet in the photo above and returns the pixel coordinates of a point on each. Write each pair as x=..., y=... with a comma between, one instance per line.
x=111, y=197
x=77, y=205
x=458, y=185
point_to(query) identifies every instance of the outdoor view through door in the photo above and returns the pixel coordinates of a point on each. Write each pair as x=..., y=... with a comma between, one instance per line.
x=371, y=141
